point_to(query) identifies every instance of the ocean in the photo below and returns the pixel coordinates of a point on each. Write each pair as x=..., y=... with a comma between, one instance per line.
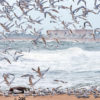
x=76, y=63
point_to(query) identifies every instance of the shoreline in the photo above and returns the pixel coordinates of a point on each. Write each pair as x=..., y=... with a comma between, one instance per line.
x=54, y=94
x=49, y=97
x=50, y=40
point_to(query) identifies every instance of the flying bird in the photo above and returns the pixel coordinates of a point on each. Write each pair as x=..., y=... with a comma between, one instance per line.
x=72, y=14
x=63, y=7
x=87, y=23
x=50, y=14
x=96, y=6
x=38, y=71
x=4, y=27
x=60, y=81
x=6, y=76
x=41, y=74
x=30, y=78
x=57, y=40
x=6, y=60
x=43, y=40
x=16, y=57
x=81, y=1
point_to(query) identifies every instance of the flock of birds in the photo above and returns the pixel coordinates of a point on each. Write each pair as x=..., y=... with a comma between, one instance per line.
x=5, y=55
x=8, y=79
x=25, y=22
x=17, y=22
x=79, y=93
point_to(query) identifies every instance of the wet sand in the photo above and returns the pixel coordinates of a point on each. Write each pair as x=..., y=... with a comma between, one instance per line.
x=56, y=97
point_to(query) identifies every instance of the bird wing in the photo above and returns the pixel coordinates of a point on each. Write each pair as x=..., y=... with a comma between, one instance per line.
x=81, y=1
x=56, y=80
x=5, y=76
x=55, y=10
x=34, y=70
x=12, y=78
x=30, y=80
x=7, y=60
x=39, y=72
x=36, y=81
x=26, y=75
x=18, y=57
x=87, y=22
x=57, y=40
x=45, y=72
x=44, y=40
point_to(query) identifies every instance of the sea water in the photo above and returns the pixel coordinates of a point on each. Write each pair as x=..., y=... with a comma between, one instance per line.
x=76, y=63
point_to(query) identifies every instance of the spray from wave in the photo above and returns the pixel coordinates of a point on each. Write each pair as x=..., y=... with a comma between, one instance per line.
x=76, y=66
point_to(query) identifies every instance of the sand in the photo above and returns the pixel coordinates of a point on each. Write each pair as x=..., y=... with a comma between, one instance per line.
x=56, y=97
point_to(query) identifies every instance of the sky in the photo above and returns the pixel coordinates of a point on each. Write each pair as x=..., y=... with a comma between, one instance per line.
x=64, y=15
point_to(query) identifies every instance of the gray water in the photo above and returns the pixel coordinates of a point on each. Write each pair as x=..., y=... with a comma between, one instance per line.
x=25, y=46
x=73, y=62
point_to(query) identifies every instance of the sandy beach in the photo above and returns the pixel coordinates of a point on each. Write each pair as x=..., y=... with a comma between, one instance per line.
x=56, y=97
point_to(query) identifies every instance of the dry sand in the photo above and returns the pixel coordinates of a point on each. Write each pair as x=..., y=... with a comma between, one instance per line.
x=56, y=97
